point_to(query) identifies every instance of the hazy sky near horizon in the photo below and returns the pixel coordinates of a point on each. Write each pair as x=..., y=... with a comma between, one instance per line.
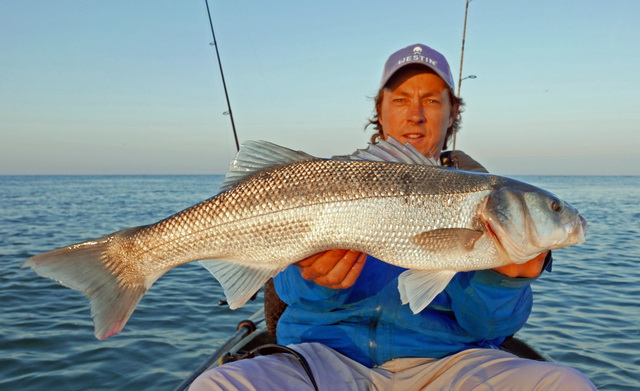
x=133, y=87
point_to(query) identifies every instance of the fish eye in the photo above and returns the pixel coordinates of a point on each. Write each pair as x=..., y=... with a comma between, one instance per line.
x=556, y=205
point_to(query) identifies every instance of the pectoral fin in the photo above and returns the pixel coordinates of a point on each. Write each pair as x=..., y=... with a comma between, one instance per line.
x=419, y=287
x=447, y=240
x=240, y=282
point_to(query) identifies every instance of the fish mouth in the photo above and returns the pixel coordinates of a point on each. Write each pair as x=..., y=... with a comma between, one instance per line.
x=578, y=232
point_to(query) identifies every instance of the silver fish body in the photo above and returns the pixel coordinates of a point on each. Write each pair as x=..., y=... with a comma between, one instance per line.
x=284, y=206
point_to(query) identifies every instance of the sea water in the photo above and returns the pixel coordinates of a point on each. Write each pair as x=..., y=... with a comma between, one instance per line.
x=586, y=312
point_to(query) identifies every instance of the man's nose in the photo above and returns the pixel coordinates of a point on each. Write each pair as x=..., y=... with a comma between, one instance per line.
x=416, y=113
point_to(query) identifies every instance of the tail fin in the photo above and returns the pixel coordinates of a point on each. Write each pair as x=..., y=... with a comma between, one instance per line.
x=95, y=268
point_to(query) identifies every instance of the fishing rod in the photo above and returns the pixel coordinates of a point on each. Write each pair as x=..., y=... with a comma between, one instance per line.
x=464, y=34
x=224, y=84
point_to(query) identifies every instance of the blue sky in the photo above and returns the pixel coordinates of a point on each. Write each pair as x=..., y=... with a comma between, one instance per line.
x=133, y=87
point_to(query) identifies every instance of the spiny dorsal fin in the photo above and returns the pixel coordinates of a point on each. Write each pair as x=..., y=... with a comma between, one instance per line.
x=255, y=156
x=390, y=150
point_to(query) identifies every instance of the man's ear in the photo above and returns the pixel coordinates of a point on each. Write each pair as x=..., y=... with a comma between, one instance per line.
x=379, y=106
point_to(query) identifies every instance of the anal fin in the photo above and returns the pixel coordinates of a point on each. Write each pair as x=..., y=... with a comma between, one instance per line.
x=240, y=282
x=420, y=287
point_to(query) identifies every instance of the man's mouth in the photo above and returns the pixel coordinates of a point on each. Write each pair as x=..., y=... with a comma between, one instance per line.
x=413, y=135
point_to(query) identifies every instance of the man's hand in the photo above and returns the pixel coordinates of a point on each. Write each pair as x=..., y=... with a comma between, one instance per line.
x=337, y=269
x=532, y=268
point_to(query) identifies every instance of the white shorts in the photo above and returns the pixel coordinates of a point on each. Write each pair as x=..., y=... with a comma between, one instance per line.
x=473, y=369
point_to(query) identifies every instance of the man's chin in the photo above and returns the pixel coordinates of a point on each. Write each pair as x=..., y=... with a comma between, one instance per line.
x=419, y=144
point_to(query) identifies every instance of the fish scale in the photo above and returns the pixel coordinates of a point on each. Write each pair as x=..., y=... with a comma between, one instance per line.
x=278, y=206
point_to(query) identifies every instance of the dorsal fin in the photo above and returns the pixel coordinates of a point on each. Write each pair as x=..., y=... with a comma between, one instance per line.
x=390, y=150
x=256, y=156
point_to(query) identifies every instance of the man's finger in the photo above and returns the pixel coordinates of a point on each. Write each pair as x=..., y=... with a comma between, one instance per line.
x=310, y=260
x=353, y=273
x=336, y=276
x=322, y=264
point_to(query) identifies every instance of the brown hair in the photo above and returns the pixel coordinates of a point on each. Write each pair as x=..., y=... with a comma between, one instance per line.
x=456, y=104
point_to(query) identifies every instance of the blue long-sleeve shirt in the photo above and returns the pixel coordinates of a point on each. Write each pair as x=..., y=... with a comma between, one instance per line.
x=368, y=323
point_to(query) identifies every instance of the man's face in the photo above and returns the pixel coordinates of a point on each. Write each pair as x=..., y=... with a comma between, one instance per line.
x=416, y=108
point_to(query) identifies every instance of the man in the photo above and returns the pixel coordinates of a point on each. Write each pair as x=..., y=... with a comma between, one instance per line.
x=345, y=315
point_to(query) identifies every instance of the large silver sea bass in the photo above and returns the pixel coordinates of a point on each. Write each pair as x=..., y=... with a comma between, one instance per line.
x=278, y=206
